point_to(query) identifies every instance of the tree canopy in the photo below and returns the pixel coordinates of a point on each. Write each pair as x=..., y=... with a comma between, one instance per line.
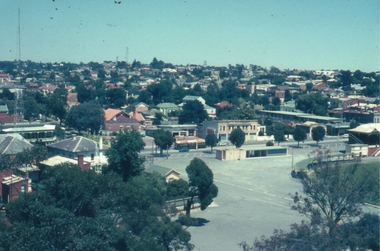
x=312, y=103
x=299, y=135
x=279, y=136
x=163, y=139
x=81, y=210
x=123, y=155
x=318, y=133
x=86, y=116
x=211, y=140
x=193, y=112
x=201, y=184
x=237, y=137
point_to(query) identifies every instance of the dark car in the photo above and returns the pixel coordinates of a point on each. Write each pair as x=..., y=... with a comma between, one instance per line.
x=183, y=149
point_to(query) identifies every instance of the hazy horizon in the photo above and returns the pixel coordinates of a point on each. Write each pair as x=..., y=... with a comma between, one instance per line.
x=311, y=35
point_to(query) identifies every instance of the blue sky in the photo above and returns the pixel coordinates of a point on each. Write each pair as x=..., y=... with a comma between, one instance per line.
x=291, y=34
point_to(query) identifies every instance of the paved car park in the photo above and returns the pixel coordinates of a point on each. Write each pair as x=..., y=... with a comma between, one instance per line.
x=253, y=198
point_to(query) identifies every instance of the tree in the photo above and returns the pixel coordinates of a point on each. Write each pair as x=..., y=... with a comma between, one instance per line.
x=279, y=136
x=312, y=103
x=333, y=196
x=86, y=116
x=163, y=139
x=309, y=87
x=177, y=189
x=75, y=209
x=334, y=193
x=116, y=97
x=193, y=112
x=288, y=96
x=32, y=109
x=123, y=155
x=211, y=140
x=237, y=137
x=84, y=94
x=57, y=103
x=318, y=133
x=201, y=184
x=299, y=135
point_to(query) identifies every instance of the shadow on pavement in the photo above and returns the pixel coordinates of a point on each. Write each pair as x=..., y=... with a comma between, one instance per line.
x=192, y=222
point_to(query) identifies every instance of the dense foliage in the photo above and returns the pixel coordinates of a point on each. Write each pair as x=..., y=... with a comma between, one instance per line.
x=237, y=137
x=201, y=184
x=79, y=210
x=124, y=155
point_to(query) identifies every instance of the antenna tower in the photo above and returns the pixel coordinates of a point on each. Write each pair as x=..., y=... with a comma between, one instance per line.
x=19, y=37
x=18, y=106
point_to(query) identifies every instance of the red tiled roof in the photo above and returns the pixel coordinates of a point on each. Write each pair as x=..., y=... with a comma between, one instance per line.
x=223, y=104
x=138, y=116
x=6, y=118
x=111, y=113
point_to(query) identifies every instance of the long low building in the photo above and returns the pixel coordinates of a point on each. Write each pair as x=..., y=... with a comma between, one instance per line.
x=249, y=152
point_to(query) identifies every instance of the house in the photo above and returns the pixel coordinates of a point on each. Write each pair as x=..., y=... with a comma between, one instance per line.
x=13, y=186
x=10, y=145
x=4, y=77
x=138, y=116
x=168, y=173
x=72, y=99
x=116, y=120
x=223, y=104
x=166, y=108
x=46, y=89
x=4, y=109
x=188, y=98
x=368, y=137
x=77, y=145
x=138, y=107
x=59, y=160
x=211, y=111
x=32, y=132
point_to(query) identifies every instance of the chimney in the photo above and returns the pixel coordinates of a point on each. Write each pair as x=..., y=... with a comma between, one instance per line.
x=80, y=160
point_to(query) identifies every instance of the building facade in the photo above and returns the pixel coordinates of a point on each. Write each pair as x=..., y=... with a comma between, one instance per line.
x=223, y=128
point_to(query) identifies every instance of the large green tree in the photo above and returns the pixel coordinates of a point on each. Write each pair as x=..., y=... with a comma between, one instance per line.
x=201, y=184
x=335, y=192
x=313, y=103
x=124, y=154
x=80, y=210
x=163, y=139
x=211, y=140
x=86, y=116
x=116, y=97
x=57, y=103
x=193, y=112
x=279, y=136
x=318, y=133
x=299, y=135
x=237, y=137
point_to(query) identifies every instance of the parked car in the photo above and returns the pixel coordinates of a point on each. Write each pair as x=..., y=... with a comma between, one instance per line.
x=183, y=149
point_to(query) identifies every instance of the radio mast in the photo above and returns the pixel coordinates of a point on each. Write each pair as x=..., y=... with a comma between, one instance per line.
x=19, y=37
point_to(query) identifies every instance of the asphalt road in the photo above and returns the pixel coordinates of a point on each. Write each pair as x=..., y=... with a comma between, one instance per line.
x=253, y=198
